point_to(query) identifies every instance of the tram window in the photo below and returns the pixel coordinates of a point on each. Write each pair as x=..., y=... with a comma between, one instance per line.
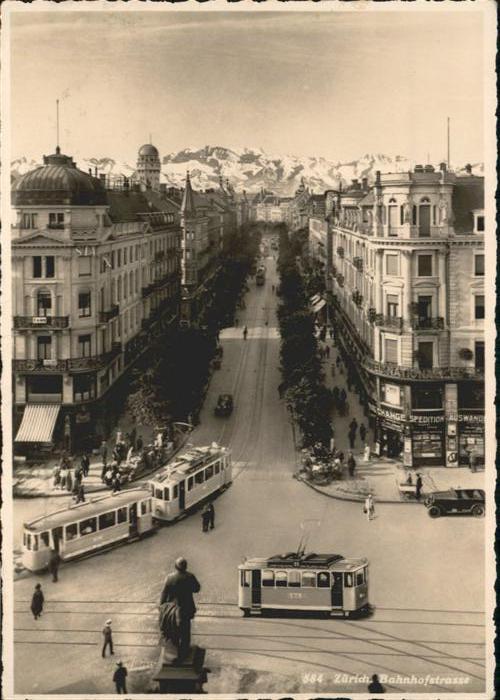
x=122, y=514
x=190, y=483
x=28, y=541
x=366, y=574
x=25, y=539
x=348, y=580
x=360, y=579
x=89, y=526
x=45, y=539
x=107, y=520
x=166, y=494
x=281, y=579
x=217, y=468
x=144, y=507
x=246, y=577
x=176, y=491
x=199, y=477
x=209, y=472
x=159, y=494
x=323, y=579
x=71, y=532
x=294, y=579
x=35, y=543
x=267, y=577
x=309, y=579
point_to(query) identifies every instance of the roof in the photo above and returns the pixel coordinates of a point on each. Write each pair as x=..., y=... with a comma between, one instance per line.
x=188, y=206
x=368, y=200
x=58, y=182
x=126, y=206
x=292, y=560
x=148, y=150
x=87, y=510
x=189, y=461
x=468, y=194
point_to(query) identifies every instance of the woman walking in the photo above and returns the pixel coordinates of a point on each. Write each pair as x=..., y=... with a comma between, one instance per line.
x=37, y=602
x=369, y=507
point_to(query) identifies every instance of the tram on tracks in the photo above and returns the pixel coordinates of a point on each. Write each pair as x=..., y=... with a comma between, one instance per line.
x=189, y=480
x=329, y=583
x=85, y=528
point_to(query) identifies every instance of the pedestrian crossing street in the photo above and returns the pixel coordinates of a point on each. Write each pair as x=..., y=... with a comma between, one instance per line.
x=256, y=333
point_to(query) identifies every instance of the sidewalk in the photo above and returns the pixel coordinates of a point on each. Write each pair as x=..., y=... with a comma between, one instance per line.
x=381, y=475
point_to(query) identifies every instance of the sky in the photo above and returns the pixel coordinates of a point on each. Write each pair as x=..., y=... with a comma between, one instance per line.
x=331, y=84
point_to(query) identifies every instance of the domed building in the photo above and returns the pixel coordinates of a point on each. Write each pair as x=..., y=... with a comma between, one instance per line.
x=148, y=167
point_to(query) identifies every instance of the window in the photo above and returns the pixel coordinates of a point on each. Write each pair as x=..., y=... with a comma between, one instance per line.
x=294, y=579
x=426, y=355
x=479, y=306
x=84, y=304
x=348, y=580
x=391, y=264
x=112, y=259
x=28, y=221
x=119, y=263
x=84, y=387
x=360, y=579
x=43, y=266
x=166, y=494
x=84, y=349
x=176, y=491
x=309, y=579
x=414, y=215
x=71, y=532
x=479, y=355
x=56, y=220
x=281, y=579
x=267, y=577
x=35, y=543
x=190, y=483
x=246, y=578
x=323, y=579
x=392, y=304
x=44, y=347
x=480, y=223
x=209, y=472
x=479, y=265
x=125, y=256
x=84, y=265
x=144, y=507
x=391, y=351
x=122, y=515
x=217, y=467
x=45, y=539
x=159, y=494
x=424, y=265
x=107, y=520
x=427, y=398
x=43, y=304
x=88, y=527
x=198, y=477
x=27, y=541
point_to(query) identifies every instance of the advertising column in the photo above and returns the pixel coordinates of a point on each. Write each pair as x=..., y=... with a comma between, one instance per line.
x=451, y=417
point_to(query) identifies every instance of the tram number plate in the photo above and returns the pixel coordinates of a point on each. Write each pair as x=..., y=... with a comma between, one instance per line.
x=295, y=596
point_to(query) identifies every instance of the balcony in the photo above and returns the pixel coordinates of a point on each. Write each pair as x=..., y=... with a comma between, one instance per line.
x=424, y=323
x=40, y=365
x=109, y=314
x=393, y=323
x=389, y=369
x=94, y=361
x=56, y=322
x=57, y=227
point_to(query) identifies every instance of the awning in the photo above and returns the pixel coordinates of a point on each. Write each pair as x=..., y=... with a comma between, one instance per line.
x=38, y=422
x=318, y=306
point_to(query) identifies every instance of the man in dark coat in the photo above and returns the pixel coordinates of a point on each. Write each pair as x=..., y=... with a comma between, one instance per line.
x=418, y=487
x=37, y=602
x=362, y=432
x=107, y=634
x=54, y=561
x=351, y=464
x=211, y=515
x=120, y=678
x=177, y=595
x=85, y=462
x=205, y=519
x=375, y=686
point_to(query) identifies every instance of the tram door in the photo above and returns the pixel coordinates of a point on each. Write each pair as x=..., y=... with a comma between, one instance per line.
x=337, y=590
x=256, y=587
x=133, y=519
x=182, y=495
x=57, y=539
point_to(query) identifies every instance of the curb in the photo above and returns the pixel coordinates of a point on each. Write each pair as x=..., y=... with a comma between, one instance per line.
x=354, y=498
x=93, y=489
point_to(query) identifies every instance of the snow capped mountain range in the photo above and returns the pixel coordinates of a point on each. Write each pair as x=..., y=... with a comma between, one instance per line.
x=250, y=169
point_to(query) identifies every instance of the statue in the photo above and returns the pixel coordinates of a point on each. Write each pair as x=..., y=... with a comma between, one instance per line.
x=407, y=207
x=177, y=608
x=443, y=212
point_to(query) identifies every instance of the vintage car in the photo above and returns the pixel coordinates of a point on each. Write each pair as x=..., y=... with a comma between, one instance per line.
x=455, y=501
x=224, y=406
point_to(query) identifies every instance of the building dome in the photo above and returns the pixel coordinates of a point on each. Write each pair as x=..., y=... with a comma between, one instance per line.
x=58, y=182
x=148, y=150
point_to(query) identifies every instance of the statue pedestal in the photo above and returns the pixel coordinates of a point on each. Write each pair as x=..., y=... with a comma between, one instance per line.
x=187, y=676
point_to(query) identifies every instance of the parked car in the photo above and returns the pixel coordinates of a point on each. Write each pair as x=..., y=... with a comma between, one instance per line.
x=456, y=501
x=224, y=406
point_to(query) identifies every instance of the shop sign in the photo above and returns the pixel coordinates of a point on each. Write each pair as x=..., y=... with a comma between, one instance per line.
x=392, y=394
x=473, y=418
x=426, y=420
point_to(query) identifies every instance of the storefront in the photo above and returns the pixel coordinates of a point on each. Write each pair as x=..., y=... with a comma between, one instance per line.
x=427, y=433
x=470, y=435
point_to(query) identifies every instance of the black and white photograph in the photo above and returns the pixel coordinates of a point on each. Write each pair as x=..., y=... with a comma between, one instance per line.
x=248, y=388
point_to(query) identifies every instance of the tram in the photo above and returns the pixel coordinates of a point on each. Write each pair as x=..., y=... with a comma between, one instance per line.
x=84, y=528
x=327, y=583
x=190, y=479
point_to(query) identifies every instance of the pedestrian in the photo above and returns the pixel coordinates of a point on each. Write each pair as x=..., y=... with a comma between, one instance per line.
x=375, y=686
x=353, y=427
x=179, y=588
x=362, y=432
x=272, y=287
x=107, y=634
x=418, y=487
x=103, y=451
x=115, y=483
x=342, y=395
x=366, y=454
x=37, y=602
x=211, y=515
x=473, y=459
x=133, y=437
x=327, y=352
x=351, y=464
x=69, y=481
x=139, y=443
x=80, y=494
x=205, y=519
x=54, y=561
x=85, y=464
x=369, y=507
x=245, y=333
x=62, y=480
x=120, y=678
x=56, y=476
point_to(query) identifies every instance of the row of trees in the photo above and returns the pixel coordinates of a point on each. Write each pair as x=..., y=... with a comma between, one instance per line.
x=308, y=399
x=169, y=382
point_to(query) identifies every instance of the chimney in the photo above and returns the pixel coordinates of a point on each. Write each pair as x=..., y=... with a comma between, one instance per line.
x=90, y=172
x=377, y=177
x=468, y=169
x=355, y=182
x=365, y=183
x=442, y=167
x=95, y=171
x=102, y=178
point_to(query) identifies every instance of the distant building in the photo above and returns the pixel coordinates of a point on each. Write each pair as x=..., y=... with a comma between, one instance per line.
x=95, y=274
x=148, y=170
x=405, y=263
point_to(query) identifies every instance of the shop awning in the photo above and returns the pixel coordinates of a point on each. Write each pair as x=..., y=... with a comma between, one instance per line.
x=318, y=306
x=38, y=422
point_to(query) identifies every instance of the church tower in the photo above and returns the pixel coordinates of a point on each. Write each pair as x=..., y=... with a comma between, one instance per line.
x=148, y=167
